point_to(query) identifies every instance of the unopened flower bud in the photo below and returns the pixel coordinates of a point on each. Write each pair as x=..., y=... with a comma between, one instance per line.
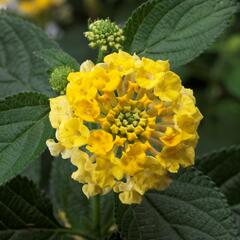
x=104, y=34
x=58, y=78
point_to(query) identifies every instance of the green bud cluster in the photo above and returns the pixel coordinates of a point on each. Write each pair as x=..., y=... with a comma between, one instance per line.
x=104, y=34
x=58, y=78
x=129, y=120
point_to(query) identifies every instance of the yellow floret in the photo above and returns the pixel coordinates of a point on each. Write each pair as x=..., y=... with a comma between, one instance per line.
x=60, y=110
x=100, y=142
x=73, y=133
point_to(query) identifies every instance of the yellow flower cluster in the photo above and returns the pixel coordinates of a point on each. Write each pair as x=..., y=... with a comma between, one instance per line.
x=126, y=124
x=31, y=7
x=35, y=7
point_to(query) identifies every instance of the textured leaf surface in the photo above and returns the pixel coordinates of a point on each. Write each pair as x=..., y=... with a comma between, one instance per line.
x=56, y=57
x=68, y=198
x=192, y=208
x=33, y=171
x=224, y=168
x=178, y=30
x=26, y=213
x=20, y=69
x=24, y=128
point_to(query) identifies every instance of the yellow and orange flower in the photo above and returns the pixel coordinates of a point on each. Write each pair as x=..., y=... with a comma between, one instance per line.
x=31, y=7
x=126, y=124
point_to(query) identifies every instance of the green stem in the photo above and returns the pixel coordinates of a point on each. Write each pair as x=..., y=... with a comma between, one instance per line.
x=100, y=55
x=97, y=216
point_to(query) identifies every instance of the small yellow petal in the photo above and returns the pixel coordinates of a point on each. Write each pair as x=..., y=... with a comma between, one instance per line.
x=54, y=148
x=87, y=110
x=100, y=142
x=73, y=133
x=86, y=66
x=60, y=110
x=168, y=87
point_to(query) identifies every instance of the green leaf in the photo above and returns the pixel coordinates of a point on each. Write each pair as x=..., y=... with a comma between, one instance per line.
x=56, y=57
x=20, y=69
x=24, y=128
x=78, y=210
x=224, y=168
x=26, y=213
x=177, y=30
x=33, y=171
x=191, y=208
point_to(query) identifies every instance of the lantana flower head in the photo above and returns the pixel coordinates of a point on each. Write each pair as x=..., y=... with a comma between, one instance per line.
x=125, y=124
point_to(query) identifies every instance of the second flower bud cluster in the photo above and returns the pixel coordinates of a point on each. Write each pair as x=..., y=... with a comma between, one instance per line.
x=104, y=34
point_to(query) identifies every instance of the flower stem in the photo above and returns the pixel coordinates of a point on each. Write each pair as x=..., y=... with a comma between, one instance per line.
x=97, y=216
x=101, y=54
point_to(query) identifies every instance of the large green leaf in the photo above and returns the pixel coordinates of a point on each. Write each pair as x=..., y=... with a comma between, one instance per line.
x=191, y=208
x=27, y=214
x=24, y=128
x=20, y=69
x=78, y=210
x=224, y=168
x=56, y=57
x=178, y=30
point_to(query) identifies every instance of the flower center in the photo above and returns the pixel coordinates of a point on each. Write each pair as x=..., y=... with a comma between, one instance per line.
x=129, y=122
